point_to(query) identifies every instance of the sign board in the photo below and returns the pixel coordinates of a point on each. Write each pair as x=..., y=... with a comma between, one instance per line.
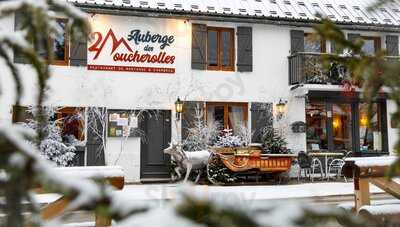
x=121, y=44
x=122, y=123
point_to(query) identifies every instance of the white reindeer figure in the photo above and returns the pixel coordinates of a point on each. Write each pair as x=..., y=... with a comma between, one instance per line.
x=195, y=160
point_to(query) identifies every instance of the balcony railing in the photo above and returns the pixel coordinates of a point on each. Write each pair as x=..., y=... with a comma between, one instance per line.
x=307, y=68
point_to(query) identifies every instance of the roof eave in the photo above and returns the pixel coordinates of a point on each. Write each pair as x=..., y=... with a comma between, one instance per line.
x=209, y=16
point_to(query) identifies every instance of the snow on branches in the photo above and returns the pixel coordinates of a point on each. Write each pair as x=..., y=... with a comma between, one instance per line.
x=53, y=147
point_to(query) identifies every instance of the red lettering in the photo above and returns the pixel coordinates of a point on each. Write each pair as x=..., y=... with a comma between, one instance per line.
x=161, y=58
x=172, y=59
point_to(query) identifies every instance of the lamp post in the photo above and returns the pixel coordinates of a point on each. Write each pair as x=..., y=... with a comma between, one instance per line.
x=178, y=108
x=280, y=109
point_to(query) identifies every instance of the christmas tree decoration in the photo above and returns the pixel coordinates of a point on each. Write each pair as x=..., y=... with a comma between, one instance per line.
x=273, y=142
x=52, y=147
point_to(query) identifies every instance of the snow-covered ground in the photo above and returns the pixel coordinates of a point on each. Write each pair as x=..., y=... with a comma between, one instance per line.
x=249, y=197
x=262, y=192
x=156, y=192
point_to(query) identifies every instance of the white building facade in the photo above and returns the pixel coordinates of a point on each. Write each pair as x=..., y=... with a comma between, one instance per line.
x=235, y=60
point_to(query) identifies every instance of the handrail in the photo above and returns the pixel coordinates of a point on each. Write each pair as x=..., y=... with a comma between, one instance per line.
x=323, y=53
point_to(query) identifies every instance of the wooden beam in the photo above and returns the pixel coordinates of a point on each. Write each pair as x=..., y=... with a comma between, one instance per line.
x=389, y=186
x=54, y=209
x=361, y=191
x=102, y=221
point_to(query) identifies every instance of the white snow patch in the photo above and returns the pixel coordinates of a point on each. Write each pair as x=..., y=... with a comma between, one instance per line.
x=157, y=217
x=91, y=171
x=244, y=193
x=373, y=161
x=46, y=198
x=350, y=205
x=80, y=224
x=386, y=209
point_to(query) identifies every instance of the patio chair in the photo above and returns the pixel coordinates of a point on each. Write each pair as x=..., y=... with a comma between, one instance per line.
x=336, y=166
x=309, y=165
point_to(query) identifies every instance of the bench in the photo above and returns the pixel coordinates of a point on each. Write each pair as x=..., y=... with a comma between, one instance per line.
x=112, y=175
x=372, y=170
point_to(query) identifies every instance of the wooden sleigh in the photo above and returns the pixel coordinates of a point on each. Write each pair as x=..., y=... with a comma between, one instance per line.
x=250, y=160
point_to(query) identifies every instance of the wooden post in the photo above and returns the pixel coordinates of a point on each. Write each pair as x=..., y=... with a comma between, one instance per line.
x=389, y=186
x=54, y=209
x=362, y=194
x=102, y=221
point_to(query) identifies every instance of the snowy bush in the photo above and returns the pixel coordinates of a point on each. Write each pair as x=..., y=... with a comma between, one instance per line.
x=227, y=139
x=52, y=147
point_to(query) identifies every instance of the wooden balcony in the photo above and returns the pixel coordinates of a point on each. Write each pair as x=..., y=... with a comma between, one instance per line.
x=307, y=68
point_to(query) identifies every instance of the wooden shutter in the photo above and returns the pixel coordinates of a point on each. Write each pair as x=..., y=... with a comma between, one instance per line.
x=199, y=46
x=78, y=51
x=245, y=49
x=18, y=57
x=95, y=131
x=392, y=45
x=296, y=41
x=261, y=117
x=352, y=36
x=188, y=116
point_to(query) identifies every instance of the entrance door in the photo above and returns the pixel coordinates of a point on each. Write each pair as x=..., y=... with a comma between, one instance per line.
x=157, y=132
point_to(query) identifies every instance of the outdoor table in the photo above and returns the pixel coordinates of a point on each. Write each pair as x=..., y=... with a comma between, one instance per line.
x=326, y=155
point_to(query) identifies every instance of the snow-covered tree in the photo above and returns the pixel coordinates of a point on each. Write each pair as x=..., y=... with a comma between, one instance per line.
x=228, y=139
x=201, y=135
x=52, y=147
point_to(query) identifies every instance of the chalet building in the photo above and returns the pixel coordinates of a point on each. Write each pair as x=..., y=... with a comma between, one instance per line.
x=237, y=61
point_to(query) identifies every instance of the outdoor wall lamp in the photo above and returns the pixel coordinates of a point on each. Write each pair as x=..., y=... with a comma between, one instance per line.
x=280, y=109
x=178, y=108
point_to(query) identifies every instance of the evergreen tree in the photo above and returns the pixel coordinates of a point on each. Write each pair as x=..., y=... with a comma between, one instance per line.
x=52, y=147
x=273, y=142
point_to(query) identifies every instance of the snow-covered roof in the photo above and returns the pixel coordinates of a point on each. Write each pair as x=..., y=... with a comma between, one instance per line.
x=340, y=11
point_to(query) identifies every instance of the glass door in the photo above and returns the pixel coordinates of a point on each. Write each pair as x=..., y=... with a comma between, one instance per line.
x=342, y=126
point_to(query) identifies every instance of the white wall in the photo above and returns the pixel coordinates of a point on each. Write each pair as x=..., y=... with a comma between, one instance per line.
x=126, y=153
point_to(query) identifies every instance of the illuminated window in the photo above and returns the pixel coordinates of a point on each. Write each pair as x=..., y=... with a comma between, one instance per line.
x=370, y=128
x=227, y=115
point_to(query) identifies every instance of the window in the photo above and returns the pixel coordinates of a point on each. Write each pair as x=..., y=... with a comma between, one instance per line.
x=371, y=44
x=316, y=121
x=311, y=44
x=346, y=126
x=370, y=128
x=220, y=49
x=69, y=119
x=60, y=45
x=227, y=115
x=342, y=126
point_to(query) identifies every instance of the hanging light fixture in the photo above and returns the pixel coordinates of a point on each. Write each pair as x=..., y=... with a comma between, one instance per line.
x=178, y=108
x=280, y=109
